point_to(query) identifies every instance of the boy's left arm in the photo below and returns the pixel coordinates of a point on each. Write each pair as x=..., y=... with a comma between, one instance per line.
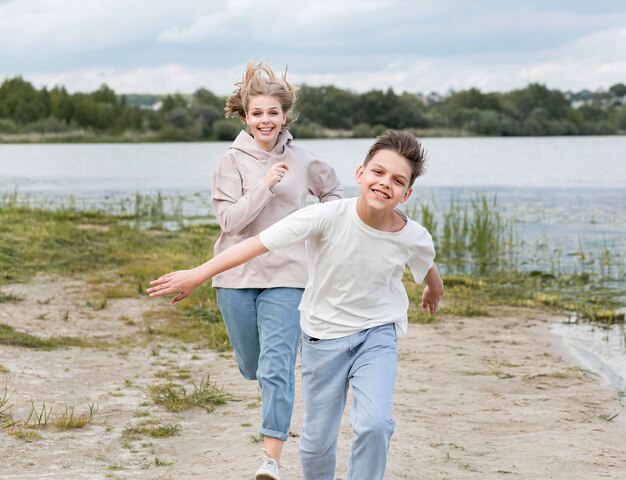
x=433, y=292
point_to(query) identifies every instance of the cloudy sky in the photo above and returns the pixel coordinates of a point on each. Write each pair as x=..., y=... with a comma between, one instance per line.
x=159, y=46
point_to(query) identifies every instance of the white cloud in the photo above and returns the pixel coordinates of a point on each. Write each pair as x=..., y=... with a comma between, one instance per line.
x=169, y=78
x=413, y=45
x=215, y=25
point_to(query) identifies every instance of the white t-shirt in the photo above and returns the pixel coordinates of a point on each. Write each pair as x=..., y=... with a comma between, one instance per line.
x=355, y=271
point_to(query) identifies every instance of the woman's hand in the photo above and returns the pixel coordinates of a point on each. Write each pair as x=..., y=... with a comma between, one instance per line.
x=275, y=174
x=182, y=283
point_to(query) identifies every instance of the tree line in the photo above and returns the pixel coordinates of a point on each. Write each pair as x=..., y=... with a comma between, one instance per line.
x=322, y=111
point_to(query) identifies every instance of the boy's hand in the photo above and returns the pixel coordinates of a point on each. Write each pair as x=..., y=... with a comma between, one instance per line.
x=182, y=283
x=430, y=299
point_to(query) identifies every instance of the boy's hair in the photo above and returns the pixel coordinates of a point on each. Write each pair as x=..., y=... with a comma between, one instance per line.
x=260, y=79
x=405, y=145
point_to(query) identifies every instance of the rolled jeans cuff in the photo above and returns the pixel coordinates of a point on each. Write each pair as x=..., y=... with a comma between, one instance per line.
x=274, y=434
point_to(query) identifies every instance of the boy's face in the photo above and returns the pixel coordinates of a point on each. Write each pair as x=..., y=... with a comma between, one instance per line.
x=384, y=181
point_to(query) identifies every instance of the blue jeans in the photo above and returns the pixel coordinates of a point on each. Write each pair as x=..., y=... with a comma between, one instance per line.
x=264, y=328
x=366, y=360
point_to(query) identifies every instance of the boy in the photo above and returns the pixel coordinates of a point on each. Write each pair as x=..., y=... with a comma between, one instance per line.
x=354, y=305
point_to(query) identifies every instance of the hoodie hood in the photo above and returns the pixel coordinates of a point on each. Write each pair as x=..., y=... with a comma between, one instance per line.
x=245, y=143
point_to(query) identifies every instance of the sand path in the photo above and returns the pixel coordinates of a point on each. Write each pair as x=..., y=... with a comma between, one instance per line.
x=476, y=398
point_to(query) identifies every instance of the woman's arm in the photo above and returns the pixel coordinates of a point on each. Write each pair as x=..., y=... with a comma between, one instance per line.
x=233, y=209
x=324, y=182
x=184, y=282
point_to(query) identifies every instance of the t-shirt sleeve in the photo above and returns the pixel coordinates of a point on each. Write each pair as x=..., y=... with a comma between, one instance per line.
x=292, y=229
x=422, y=255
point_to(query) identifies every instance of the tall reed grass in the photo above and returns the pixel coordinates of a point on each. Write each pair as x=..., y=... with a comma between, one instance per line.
x=474, y=238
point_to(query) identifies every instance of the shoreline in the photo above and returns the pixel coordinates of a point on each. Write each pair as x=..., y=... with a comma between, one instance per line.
x=589, y=354
x=476, y=398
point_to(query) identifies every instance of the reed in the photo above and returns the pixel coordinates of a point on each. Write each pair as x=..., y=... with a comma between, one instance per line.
x=6, y=418
x=38, y=418
x=474, y=238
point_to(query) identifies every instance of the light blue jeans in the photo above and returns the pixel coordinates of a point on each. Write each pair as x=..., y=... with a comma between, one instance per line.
x=264, y=329
x=367, y=361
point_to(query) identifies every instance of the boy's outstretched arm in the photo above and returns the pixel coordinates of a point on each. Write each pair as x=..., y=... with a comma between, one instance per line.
x=433, y=291
x=184, y=282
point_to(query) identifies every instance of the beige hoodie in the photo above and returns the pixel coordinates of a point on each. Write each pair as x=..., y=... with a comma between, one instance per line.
x=244, y=206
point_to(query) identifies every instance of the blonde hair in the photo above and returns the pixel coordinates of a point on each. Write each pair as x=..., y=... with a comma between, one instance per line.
x=260, y=79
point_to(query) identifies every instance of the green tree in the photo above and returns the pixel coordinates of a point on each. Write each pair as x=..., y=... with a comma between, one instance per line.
x=90, y=114
x=203, y=96
x=104, y=95
x=328, y=106
x=552, y=102
x=226, y=129
x=472, y=98
x=618, y=90
x=205, y=115
x=61, y=104
x=170, y=102
x=21, y=102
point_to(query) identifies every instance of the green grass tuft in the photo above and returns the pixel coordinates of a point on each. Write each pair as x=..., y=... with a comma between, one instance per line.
x=175, y=398
x=28, y=436
x=150, y=429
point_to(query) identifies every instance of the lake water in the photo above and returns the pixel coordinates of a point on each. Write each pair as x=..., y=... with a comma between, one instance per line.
x=524, y=162
x=563, y=193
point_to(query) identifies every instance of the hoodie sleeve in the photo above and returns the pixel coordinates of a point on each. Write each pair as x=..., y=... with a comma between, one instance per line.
x=233, y=209
x=323, y=182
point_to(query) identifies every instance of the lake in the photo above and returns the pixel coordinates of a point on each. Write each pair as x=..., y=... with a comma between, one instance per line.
x=564, y=194
x=521, y=162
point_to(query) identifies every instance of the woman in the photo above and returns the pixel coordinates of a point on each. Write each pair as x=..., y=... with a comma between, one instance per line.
x=261, y=179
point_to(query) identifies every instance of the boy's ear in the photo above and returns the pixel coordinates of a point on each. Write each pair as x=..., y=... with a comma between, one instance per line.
x=406, y=195
x=359, y=173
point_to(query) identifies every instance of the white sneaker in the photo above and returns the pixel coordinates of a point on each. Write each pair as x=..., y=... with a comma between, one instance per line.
x=268, y=471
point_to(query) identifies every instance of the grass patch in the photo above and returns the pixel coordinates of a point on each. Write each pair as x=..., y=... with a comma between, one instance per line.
x=10, y=336
x=28, y=436
x=159, y=462
x=150, y=428
x=37, y=241
x=68, y=420
x=42, y=417
x=475, y=295
x=175, y=398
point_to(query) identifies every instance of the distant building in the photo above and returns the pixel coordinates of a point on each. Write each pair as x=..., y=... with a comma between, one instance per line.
x=155, y=107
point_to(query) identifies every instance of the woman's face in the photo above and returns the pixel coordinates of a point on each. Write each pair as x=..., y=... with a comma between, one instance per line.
x=265, y=118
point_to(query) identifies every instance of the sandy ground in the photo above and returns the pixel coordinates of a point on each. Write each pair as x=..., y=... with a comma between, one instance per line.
x=476, y=398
